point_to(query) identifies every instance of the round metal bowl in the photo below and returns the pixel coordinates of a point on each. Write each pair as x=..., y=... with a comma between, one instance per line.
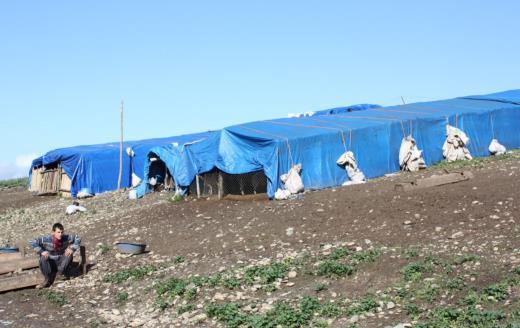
x=131, y=248
x=9, y=249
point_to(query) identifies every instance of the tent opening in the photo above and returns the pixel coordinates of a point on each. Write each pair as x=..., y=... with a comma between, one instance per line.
x=159, y=177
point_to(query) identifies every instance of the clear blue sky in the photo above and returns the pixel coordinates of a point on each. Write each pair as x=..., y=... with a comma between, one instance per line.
x=197, y=65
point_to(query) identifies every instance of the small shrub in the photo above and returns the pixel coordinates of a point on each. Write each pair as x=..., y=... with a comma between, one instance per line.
x=465, y=258
x=178, y=259
x=266, y=274
x=231, y=282
x=122, y=297
x=413, y=271
x=320, y=287
x=172, y=286
x=366, y=256
x=339, y=253
x=330, y=268
x=411, y=253
x=56, y=298
x=455, y=283
x=135, y=273
x=498, y=291
x=185, y=308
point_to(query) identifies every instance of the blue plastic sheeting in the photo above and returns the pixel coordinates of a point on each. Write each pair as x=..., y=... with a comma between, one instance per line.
x=341, y=110
x=510, y=96
x=374, y=135
x=95, y=168
x=183, y=162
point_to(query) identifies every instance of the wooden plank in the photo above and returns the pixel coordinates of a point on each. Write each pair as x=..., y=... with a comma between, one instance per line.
x=23, y=264
x=436, y=180
x=7, y=257
x=20, y=281
x=83, y=263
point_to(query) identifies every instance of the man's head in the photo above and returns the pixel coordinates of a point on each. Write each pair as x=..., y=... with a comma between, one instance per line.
x=57, y=230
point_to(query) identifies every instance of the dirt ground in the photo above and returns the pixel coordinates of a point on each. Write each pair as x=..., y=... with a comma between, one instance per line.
x=476, y=220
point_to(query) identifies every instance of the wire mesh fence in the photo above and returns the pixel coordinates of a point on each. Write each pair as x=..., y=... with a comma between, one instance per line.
x=217, y=183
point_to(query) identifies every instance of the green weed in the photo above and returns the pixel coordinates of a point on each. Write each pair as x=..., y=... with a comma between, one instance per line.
x=134, y=273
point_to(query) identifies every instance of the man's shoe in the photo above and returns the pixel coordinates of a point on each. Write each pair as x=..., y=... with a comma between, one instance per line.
x=44, y=284
x=61, y=277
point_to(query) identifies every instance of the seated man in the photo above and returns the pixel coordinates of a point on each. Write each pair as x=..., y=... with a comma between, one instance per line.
x=55, y=251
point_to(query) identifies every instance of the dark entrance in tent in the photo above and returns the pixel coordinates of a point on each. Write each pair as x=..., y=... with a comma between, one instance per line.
x=159, y=177
x=221, y=184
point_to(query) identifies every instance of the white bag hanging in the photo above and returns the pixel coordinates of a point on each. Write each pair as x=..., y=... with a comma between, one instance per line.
x=354, y=173
x=410, y=157
x=454, y=148
x=495, y=148
x=292, y=180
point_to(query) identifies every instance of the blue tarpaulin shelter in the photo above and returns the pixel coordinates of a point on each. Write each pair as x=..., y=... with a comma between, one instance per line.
x=95, y=168
x=183, y=161
x=374, y=135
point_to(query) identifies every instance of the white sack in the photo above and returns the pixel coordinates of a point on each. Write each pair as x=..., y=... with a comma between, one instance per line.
x=292, y=180
x=410, y=157
x=71, y=209
x=135, y=180
x=354, y=173
x=495, y=148
x=132, y=194
x=281, y=194
x=454, y=147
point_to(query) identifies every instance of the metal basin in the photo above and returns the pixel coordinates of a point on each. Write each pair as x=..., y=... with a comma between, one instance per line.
x=131, y=248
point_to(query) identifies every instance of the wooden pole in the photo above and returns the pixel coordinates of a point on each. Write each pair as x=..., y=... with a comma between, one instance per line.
x=120, y=151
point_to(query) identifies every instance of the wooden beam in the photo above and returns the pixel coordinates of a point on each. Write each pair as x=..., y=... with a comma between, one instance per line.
x=20, y=281
x=435, y=180
x=7, y=257
x=23, y=264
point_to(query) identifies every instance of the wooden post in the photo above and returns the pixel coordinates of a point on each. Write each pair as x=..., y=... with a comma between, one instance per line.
x=83, y=263
x=120, y=152
x=197, y=181
x=220, y=185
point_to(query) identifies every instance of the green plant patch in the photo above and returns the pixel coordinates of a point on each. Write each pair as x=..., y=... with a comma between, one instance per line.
x=56, y=298
x=122, y=297
x=413, y=271
x=366, y=256
x=266, y=274
x=185, y=308
x=134, y=273
x=332, y=268
x=172, y=286
x=11, y=183
x=498, y=291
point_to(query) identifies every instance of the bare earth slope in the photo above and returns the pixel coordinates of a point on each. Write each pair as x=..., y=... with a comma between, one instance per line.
x=360, y=256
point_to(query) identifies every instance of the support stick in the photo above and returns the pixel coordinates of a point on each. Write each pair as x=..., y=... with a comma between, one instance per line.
x=120, y=151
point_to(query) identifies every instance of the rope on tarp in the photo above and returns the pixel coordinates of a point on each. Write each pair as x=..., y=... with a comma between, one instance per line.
x=273, y=135
x=343, y=141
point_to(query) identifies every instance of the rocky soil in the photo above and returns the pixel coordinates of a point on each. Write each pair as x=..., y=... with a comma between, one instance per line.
x=357, y=256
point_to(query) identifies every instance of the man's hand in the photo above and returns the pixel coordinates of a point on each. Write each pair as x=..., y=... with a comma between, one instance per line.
x=45, y=254
x=68, y=252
